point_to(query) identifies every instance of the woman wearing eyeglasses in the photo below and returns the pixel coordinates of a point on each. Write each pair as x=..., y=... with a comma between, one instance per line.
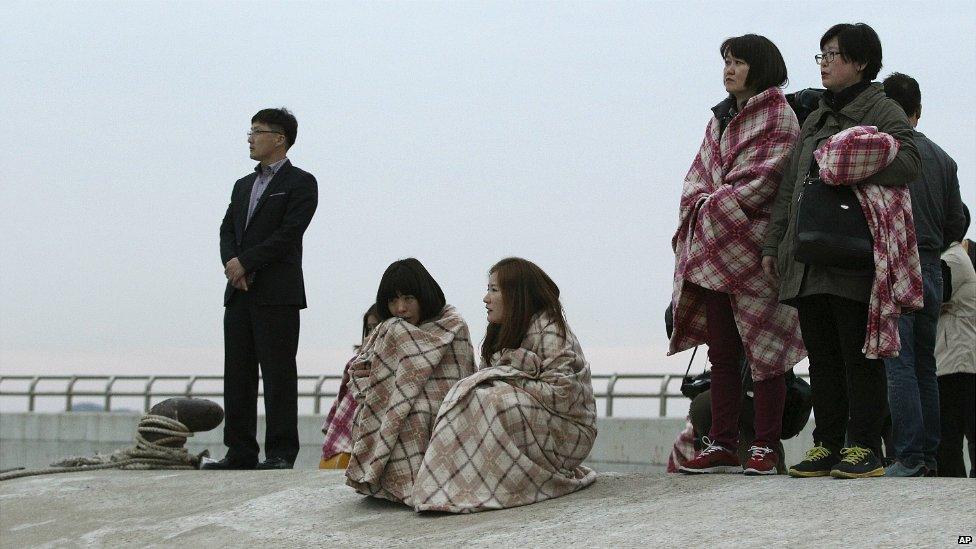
x=846, y=311
x=721, y=297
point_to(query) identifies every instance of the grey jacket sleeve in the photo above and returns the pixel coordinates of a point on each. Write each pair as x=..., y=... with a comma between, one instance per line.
x=781, y=206
x=907, y=164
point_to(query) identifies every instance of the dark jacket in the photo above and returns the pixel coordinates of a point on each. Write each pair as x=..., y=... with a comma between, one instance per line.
x=270, y=248
x=870, y=108
x=936, y=204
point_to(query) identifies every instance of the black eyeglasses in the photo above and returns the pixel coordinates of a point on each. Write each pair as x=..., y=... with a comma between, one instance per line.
x=252, y=133
x=828, y=55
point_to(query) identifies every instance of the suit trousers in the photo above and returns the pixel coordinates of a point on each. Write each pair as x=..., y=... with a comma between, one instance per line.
x=264, y=336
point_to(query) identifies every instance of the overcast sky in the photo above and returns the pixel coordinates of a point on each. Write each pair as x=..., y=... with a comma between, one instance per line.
x=458, y=133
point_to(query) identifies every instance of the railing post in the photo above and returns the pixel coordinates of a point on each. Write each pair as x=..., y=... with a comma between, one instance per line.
x=610, y=383
x=148, y=401
x=69, y=393
x=317, y=406
x=189, y=386
x=31, y=396
x=663, y=411
x=108, y=394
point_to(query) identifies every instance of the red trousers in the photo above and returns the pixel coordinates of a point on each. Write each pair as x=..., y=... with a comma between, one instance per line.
x=726, y=354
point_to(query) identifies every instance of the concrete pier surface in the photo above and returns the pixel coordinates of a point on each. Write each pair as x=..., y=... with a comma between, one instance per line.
x=310, y=508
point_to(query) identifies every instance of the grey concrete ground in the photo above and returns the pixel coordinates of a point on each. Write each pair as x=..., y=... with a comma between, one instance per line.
x=37, y=439
x=308, y=508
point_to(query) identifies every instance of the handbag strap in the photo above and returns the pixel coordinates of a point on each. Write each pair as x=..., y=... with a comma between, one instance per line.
x=693, y=353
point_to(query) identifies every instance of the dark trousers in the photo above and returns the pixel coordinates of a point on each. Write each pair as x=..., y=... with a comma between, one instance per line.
x=725, y=353
x=849, y=390
x=957, y=398
x=265, y=336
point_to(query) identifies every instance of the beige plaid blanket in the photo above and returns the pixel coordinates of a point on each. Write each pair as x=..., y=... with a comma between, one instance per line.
x=514, y=433
x=399, y=379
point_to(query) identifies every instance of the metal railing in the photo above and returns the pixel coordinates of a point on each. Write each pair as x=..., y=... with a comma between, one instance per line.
x=147, y=393
x=668, y=388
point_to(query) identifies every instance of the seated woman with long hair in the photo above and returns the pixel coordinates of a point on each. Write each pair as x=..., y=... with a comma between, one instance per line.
x=517, y=431
x=338, y=424
x=406, y=366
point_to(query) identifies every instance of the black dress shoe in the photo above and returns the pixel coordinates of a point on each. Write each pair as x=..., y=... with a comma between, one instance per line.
x=275, y=463
x=228, y=464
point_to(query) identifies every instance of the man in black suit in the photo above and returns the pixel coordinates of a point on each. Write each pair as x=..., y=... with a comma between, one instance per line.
x=261, y=248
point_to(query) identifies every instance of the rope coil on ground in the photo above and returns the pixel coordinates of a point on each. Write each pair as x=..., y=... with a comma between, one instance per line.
x=144, y=455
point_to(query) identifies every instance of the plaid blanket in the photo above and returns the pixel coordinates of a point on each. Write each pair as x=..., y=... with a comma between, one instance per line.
x=399, y=379
x=338, y=424
x=725, y=208
x=683, y=450
x=851, y=156
x=514, y=433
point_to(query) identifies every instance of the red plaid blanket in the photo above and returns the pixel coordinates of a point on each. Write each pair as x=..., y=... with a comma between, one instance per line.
x=338, y=424
x=851, y=156
x=683, y=450
x=725, y=208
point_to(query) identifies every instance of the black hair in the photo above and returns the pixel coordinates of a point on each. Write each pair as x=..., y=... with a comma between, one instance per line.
x=965, y=228
x=858, y=44
x=281, y=120
x=409, y=277
x=369, y=312
x=766, y=65
x=905, y=91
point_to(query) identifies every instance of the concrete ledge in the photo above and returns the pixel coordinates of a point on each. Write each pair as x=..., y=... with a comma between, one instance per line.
x=315, y=509
x=38, y=439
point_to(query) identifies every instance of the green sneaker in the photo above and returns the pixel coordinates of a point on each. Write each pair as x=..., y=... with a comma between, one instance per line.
x=818, y=463
x=857, y=462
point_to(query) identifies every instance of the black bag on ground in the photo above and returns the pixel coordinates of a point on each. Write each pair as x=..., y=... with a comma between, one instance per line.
x=799, y=402
x=831, y=229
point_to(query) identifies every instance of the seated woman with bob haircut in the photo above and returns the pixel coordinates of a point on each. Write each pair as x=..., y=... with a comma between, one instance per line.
x=406, y=366
x=517, y=431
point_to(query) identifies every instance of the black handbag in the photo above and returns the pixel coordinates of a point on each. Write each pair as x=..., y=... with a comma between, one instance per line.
x=796, y=410
x=831, y=229
x=692, y=386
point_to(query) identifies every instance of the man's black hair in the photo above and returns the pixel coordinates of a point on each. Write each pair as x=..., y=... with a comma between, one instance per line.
x=858, y=44
x=766, y=65
x=905, y=91
x=281, y=120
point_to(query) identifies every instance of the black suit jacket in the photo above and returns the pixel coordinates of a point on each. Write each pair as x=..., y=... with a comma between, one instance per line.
x=270, y=248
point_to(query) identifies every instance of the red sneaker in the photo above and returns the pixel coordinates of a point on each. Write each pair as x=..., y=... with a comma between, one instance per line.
x=762, y=461
x=713, y=459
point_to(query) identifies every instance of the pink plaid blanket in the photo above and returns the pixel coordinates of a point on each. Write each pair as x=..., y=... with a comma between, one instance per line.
x=851, y=156
x=399, y=380
x=683, y=450
x=724, y=211
x=338, y=424
x=514, y=433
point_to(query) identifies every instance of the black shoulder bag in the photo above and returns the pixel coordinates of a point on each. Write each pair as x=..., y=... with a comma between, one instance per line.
x=831, y=229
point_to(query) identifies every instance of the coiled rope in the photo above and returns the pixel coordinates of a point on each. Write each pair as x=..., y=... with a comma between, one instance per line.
x=144, y=455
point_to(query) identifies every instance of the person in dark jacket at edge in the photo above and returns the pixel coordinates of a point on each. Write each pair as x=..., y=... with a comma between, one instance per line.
x=913, y=388
x=848, y=389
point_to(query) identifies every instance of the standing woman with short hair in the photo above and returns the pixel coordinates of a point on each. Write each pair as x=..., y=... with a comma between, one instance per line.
x=848, y=313
x=721, y=297
x=517, y=431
